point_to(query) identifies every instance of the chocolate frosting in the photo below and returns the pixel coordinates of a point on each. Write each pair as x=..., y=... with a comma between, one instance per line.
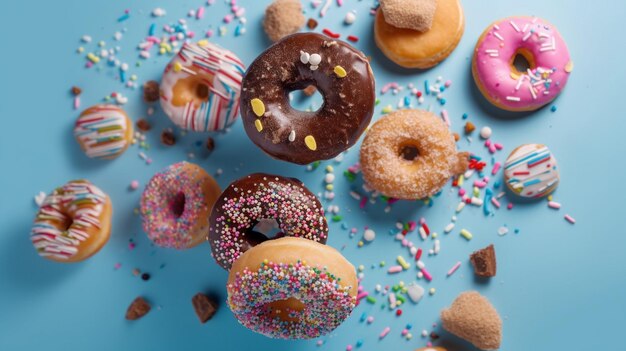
x=299, y=136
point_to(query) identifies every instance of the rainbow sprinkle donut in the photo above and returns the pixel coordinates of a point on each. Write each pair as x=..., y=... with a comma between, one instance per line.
x=200, y=87
x=292, y=288
x=103, y=131
x=176, y=204
x=531, y=171
x=540, y=44
x=258, y=197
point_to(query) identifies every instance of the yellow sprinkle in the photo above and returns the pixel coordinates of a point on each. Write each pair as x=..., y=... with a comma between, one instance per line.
x=330, y=169
x=177, y=66
x=340, y=71
x=258, y=107
x=203, y=43
x=434, y=235
x=360, y=243
x=265, y=261
x=309, y=140
x=258, y=125
x=387, y=109
x=93, y=58
x=329, y=187
x=401, y=283
x=549, y=197
x=403, y=262
x=476, y=192
x=80, y=49
x=569, y=67
x=432, y=291
x=466, y=234
x=460, y=180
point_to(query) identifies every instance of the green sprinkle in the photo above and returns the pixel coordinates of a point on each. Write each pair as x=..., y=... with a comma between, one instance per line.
x=371, y=299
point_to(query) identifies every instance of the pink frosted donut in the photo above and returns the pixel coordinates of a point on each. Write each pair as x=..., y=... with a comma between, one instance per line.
x=200, y=87
x=540, y=44
x=176, y=204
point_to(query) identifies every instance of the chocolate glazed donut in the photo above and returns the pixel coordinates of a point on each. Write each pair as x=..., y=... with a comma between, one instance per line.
x=259, y=197
x=342, y=75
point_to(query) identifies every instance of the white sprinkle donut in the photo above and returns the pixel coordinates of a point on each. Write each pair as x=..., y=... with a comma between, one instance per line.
x=103, y=131
x=531, y=171
x=200, y=87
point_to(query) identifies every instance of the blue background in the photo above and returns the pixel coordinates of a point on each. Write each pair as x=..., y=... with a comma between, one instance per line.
x=559, y=286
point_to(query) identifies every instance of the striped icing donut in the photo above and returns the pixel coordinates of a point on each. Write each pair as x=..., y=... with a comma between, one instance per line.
x=256, y=198
x=176, y=204
x=73, y=222
x=103, y=131
x=531, y=171
x=543, y=48
x=292, y=288
x=200, y=87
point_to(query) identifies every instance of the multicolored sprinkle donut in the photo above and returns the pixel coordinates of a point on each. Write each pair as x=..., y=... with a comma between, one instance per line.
x=258, y=197
x=73, y=223
x=292, y=288
x=540, y=44
x=176, y=204
x=531, y=171
x=200, y=87
x=103, y=131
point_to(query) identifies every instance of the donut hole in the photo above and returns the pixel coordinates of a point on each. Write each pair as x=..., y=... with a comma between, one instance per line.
x=409, y=152
x=522, y=61
x=202, y=91
x=178, y=205
x=65, y=224
x=265, y=229
x=287, y=310
x=306, y=101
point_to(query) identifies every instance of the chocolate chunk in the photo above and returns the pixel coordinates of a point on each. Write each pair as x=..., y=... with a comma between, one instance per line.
x=484, y=262
x=143, y=125
x=311, y=23
x=456, y=136
x=205, y=307
x=76, y=91
x=210, y=144
x=168, y=138
x=145, y=276
x=469, y=127
x=310, y=90
x=151, y=91
x=137, y=309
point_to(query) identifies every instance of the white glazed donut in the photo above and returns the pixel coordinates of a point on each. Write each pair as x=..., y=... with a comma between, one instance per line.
x=200, y=87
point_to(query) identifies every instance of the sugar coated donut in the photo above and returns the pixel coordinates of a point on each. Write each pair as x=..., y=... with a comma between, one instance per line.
x=292, y=288
x=342, y=75
x=200, y=87
x=531, y=171
x=410, y=154
x=103, y=131
x=73, y=223
x=258, y=197
x=176, y=204
x=413, y=49
x=540, y=44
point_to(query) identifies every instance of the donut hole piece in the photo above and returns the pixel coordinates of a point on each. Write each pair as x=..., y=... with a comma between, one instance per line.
x=287, y=310
x=408, y=152
x=306, y=99
x=522, y=61
x=178, y=205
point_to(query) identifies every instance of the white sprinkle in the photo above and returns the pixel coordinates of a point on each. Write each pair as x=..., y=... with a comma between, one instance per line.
x=513, y=98
x=437, y=247
x=528, y=35
x=124, y=67
x=369, y=235
x=502, y=231
x=468, y=174
x=496, y=27
x=415, y=292
x=315, y=59
x=525, y=27
x=460, y=207
x=355, y=195
x=532, y=92
x=86, y=39
x=117, y=36
x=420, y=264
x=304, y=57
x=39, y=198
x=514, y=26
x=490, y=51
x=158, y=12
x=313, y=68
x=476, y=201
x=292, y=136
x=543, y=35
x=497, y=35
x=423, y=233
x=329, y=178
x=350, y=18
x=494, y=55
x=485, y=132
x=448, y=228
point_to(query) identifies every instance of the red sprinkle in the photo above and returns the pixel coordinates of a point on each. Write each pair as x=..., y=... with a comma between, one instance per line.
x=418, y=94
x=353, y=38
x=426, y=229
x=331, y=33
x=398, y=312
x=418, y=254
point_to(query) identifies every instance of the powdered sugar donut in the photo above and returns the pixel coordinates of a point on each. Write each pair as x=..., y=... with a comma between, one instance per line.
x=540, y=44
x=531, y=171
x=103, y=131
x=200, y=87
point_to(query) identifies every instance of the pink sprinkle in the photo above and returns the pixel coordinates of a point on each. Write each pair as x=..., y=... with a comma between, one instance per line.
x=362, y=295
x=487, y=143
x=447, y=84
x=370, y=319
x=76, y=102
x=429, y=344
x=444, y=115
x=404, y=332
x=554, y=205
x=228, y=18
x=461, y=191
x=134, y=185
x=209, y=33
x=492, y=148
x=88, y=64
x=148, y=161
x=422, y=220
x=388, y=86
x=319, y=342
x=498, y=146
x=117, y=266
x=496, y=168
x=412, y=225
x=480, y=184
x=495, y=202
x=454, y=268
x=349, y=348
x=384, y=332
x=363, y=202
x=339, y=2
x=394, y=269
x=191, y=34
x=131, y=245
x=570, y=219
x=200, y=13
x=427, y=274
x=510, y=205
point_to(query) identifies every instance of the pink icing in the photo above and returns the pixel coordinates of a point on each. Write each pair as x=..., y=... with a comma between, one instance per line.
x=534, y=88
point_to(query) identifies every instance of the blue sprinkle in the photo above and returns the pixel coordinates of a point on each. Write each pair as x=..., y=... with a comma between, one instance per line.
x=359, y=343
x=442, y=88
x=553, y=108
x=442, y=101
x=238, y=30
x=151, y=30
x=426, y=88
x=496, y=185
x=465, y=116
x=363, y=317
x=409, y=326
x=123, y=17
x=122, y=75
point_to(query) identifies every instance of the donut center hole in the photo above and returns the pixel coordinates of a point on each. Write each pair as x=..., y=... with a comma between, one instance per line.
x=409, y=152
x=307, y=99
x=65, y=224
x=265, y=229
x=202, y=91
x=178, y=205
x=287, y=310
x=522, y=61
